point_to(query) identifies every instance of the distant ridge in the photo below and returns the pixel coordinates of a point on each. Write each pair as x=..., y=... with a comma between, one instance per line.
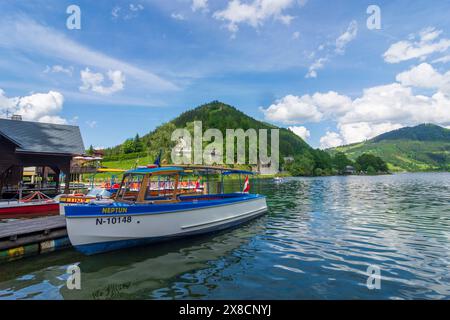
x=425, y=147
x=422, y=132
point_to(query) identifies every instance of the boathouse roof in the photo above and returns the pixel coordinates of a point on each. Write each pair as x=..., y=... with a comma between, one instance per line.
x=36, y=137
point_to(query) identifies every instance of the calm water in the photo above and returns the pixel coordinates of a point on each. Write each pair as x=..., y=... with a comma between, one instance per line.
x=316, y=243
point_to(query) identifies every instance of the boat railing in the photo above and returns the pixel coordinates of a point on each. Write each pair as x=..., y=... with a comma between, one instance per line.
x=9, y=201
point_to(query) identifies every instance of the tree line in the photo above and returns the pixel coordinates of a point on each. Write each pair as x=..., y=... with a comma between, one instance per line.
x=321, y=163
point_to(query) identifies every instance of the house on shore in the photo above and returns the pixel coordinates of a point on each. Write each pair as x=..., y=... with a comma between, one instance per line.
x=44, y=149
x=349, y=170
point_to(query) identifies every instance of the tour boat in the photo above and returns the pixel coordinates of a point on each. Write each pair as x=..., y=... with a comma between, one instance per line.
x=33, y=205
x=146, y=216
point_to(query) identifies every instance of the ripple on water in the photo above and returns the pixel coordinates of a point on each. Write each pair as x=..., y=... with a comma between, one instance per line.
x=317, y=241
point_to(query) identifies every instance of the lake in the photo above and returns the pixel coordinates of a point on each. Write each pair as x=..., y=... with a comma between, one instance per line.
x=317, y=242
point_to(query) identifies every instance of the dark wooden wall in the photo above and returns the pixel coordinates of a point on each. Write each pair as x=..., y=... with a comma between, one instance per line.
x=10, y=160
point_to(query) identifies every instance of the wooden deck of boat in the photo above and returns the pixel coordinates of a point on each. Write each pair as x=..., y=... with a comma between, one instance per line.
x=28, y=231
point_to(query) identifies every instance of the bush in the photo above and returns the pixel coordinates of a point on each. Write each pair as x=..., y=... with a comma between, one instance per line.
x=128, y=156
x=366, y=162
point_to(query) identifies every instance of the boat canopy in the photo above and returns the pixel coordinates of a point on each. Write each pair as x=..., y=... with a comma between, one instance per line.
x=189, y=169
x=226, y=173
x=213, y=170
x=109, y=170
x=158, y=170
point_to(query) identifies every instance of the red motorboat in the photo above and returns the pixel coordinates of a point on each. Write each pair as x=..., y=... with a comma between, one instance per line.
x=34, y=205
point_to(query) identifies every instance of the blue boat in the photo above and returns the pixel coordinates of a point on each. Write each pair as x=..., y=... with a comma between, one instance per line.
x=151, y=205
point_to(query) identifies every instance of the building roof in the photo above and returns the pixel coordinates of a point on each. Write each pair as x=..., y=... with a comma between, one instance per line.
x=39, y=137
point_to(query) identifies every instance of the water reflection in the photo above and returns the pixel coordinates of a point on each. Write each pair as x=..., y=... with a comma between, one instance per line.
x=130, y=274
x=317, y=241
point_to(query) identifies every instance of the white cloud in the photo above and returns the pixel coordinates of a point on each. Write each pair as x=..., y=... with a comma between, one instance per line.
x=59, y=69
x=426, y=44
x=136, y=7
x=378, y=110
x=348, y=36
x=41, y=107
x=133, y=10
x=25, y=35
x=177, y=16
x=396, y=103
x=254, y=13
x=91, y=123
x=129, y=12
x=294, y=109
x=296, y=35
x=115, y=12
x=388, y=107
x=199, y=5
x=330, y=140
x=443, y=59
x=317, y=65
x=361, y=131
x=94, y=81
x=329, y=50
x=425, y=76
x=301, y=131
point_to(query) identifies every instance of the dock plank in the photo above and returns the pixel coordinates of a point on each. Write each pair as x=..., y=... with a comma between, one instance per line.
x=28, y=226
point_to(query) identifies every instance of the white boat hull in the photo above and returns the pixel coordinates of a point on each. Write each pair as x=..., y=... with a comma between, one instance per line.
x=110, y=232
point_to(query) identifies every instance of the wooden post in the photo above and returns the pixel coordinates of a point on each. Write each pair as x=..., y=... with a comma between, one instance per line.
x=175, y=187
x=67, y=182
x=57, y=174
x=2, y=177
x=3, y=174
x=44, y=177
x=66, y=170
x=143, y=189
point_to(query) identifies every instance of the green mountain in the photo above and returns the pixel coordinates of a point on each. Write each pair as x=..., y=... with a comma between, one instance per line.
x=213, y=115
x=425, y=147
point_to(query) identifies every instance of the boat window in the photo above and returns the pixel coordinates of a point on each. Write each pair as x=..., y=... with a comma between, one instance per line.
x=130, y=187
x=160, y=186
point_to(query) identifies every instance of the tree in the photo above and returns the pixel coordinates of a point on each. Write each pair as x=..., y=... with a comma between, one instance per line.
x=302, y=166
x=138, y=146
x=128, y=146
x=90, y=150
x=322, y=159
x=376, y=164
x=371, y=170
x=340, y=162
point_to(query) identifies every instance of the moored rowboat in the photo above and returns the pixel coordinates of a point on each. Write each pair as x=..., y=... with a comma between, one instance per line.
x=34, y=205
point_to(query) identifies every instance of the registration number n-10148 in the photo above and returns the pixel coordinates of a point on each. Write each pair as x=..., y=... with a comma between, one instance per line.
x=113, y=220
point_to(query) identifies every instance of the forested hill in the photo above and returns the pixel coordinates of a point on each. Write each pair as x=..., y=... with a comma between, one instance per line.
x=213, y=115
x=425, y=147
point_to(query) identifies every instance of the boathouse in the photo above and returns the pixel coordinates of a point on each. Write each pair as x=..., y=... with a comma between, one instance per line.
x=42, y=145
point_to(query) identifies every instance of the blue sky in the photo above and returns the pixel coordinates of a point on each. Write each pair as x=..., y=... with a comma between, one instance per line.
x=311, y=65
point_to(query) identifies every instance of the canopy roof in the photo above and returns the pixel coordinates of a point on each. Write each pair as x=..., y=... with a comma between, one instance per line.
x=108, y=170
x=195, y=169
x=159, y=170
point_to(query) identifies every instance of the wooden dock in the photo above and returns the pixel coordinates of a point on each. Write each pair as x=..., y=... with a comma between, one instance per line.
x=31, y=236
